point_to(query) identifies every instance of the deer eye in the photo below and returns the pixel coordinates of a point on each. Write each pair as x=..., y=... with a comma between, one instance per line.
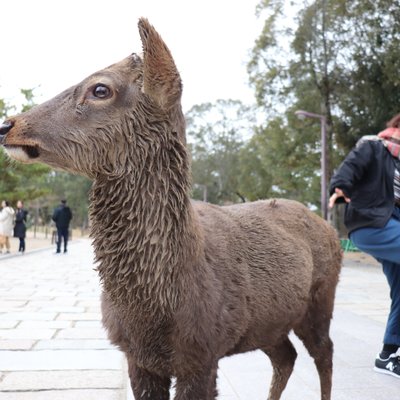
x=101, y=92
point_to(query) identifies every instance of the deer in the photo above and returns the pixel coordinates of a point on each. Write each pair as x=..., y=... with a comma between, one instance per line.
x=184, y=283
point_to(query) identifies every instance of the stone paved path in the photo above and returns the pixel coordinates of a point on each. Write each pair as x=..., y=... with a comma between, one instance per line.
x=52, y=345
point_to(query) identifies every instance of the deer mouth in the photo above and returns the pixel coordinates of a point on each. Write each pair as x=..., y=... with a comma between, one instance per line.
x=23, y=153
x=31, y=151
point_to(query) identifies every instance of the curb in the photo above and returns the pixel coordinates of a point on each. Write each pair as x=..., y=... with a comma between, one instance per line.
x=29, y=252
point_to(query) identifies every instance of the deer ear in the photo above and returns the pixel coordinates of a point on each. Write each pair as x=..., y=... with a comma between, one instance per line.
x=161, y=79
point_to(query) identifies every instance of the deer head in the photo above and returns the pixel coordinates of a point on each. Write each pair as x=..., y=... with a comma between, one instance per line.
x=110, y=121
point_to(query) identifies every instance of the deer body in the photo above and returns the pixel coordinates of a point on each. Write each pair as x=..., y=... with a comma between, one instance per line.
x=184, y=283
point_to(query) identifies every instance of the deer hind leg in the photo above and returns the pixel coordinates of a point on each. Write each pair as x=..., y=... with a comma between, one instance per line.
x=314, y=333
x=282, y=356
x=146, y=385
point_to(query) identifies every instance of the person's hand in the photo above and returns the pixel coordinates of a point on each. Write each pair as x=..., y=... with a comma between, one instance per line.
x=338, y=193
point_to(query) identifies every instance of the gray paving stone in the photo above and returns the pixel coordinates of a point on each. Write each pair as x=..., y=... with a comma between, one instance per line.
x=62, y=309
x=27, y=333
x=36, y=305
x=30, y=316
x=89, y=324
x=20, y=295
x=62, y=291
x=84, y=316
x=75, y=379
x=344, y=378
x=89, y=394
x=8, y=305
x=16, y=344
x=362, y=352
x=96, y=310
x=65, y=301
x=360, y=393
x=361, y=327
x=88, y=303
x=92, y=298
x=33, y=297
x=44, y=324
x=48, y=360
x=8, y=324
x=73, y=344
x=89, y=295
x=81, y=333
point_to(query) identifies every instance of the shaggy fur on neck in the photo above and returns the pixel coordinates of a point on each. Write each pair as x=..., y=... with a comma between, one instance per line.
x=142, y=219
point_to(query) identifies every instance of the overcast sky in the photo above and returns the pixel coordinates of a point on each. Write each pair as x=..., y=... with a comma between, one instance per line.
x=51, y=45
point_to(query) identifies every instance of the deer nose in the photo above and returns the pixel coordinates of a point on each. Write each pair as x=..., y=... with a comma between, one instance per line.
x=5, y=127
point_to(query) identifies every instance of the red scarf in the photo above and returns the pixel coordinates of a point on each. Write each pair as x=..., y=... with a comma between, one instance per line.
x=391, y=139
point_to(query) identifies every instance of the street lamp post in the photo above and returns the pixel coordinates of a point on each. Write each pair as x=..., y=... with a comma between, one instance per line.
x=324, y=159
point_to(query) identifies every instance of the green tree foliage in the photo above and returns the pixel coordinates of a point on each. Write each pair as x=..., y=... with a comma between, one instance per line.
x=254, y=179
x=216, y=133
x=368, y=92
x=285, y=163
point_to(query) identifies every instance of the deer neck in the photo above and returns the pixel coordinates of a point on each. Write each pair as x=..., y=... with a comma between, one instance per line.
x=144, y=230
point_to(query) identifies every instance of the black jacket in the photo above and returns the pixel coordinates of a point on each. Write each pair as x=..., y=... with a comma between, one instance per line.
x=62, y=216
x=366, y=177
x=20, y=219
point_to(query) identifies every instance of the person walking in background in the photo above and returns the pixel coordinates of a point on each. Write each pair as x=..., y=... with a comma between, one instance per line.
x=62, y=217
x=368, y=180
x=6, y=225
x=20, y=227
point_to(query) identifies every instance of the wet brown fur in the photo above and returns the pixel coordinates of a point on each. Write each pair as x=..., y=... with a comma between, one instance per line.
x=184, y=283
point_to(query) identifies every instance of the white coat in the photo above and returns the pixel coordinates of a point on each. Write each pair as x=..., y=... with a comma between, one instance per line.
x=7, y=221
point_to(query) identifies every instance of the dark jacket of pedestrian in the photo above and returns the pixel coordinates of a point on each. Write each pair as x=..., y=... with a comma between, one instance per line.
x=20, y=220
x=366, y=177
x=62, y=216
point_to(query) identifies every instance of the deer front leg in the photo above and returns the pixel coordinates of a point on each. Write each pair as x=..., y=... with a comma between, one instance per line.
x=148, y=386
x=200, y=385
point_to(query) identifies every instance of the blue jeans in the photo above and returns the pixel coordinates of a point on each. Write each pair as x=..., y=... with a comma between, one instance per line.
x=384, y=245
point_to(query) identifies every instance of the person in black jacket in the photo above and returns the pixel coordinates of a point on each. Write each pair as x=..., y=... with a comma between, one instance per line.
x=368, y=180
x=62, y=216
x=19, y=226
